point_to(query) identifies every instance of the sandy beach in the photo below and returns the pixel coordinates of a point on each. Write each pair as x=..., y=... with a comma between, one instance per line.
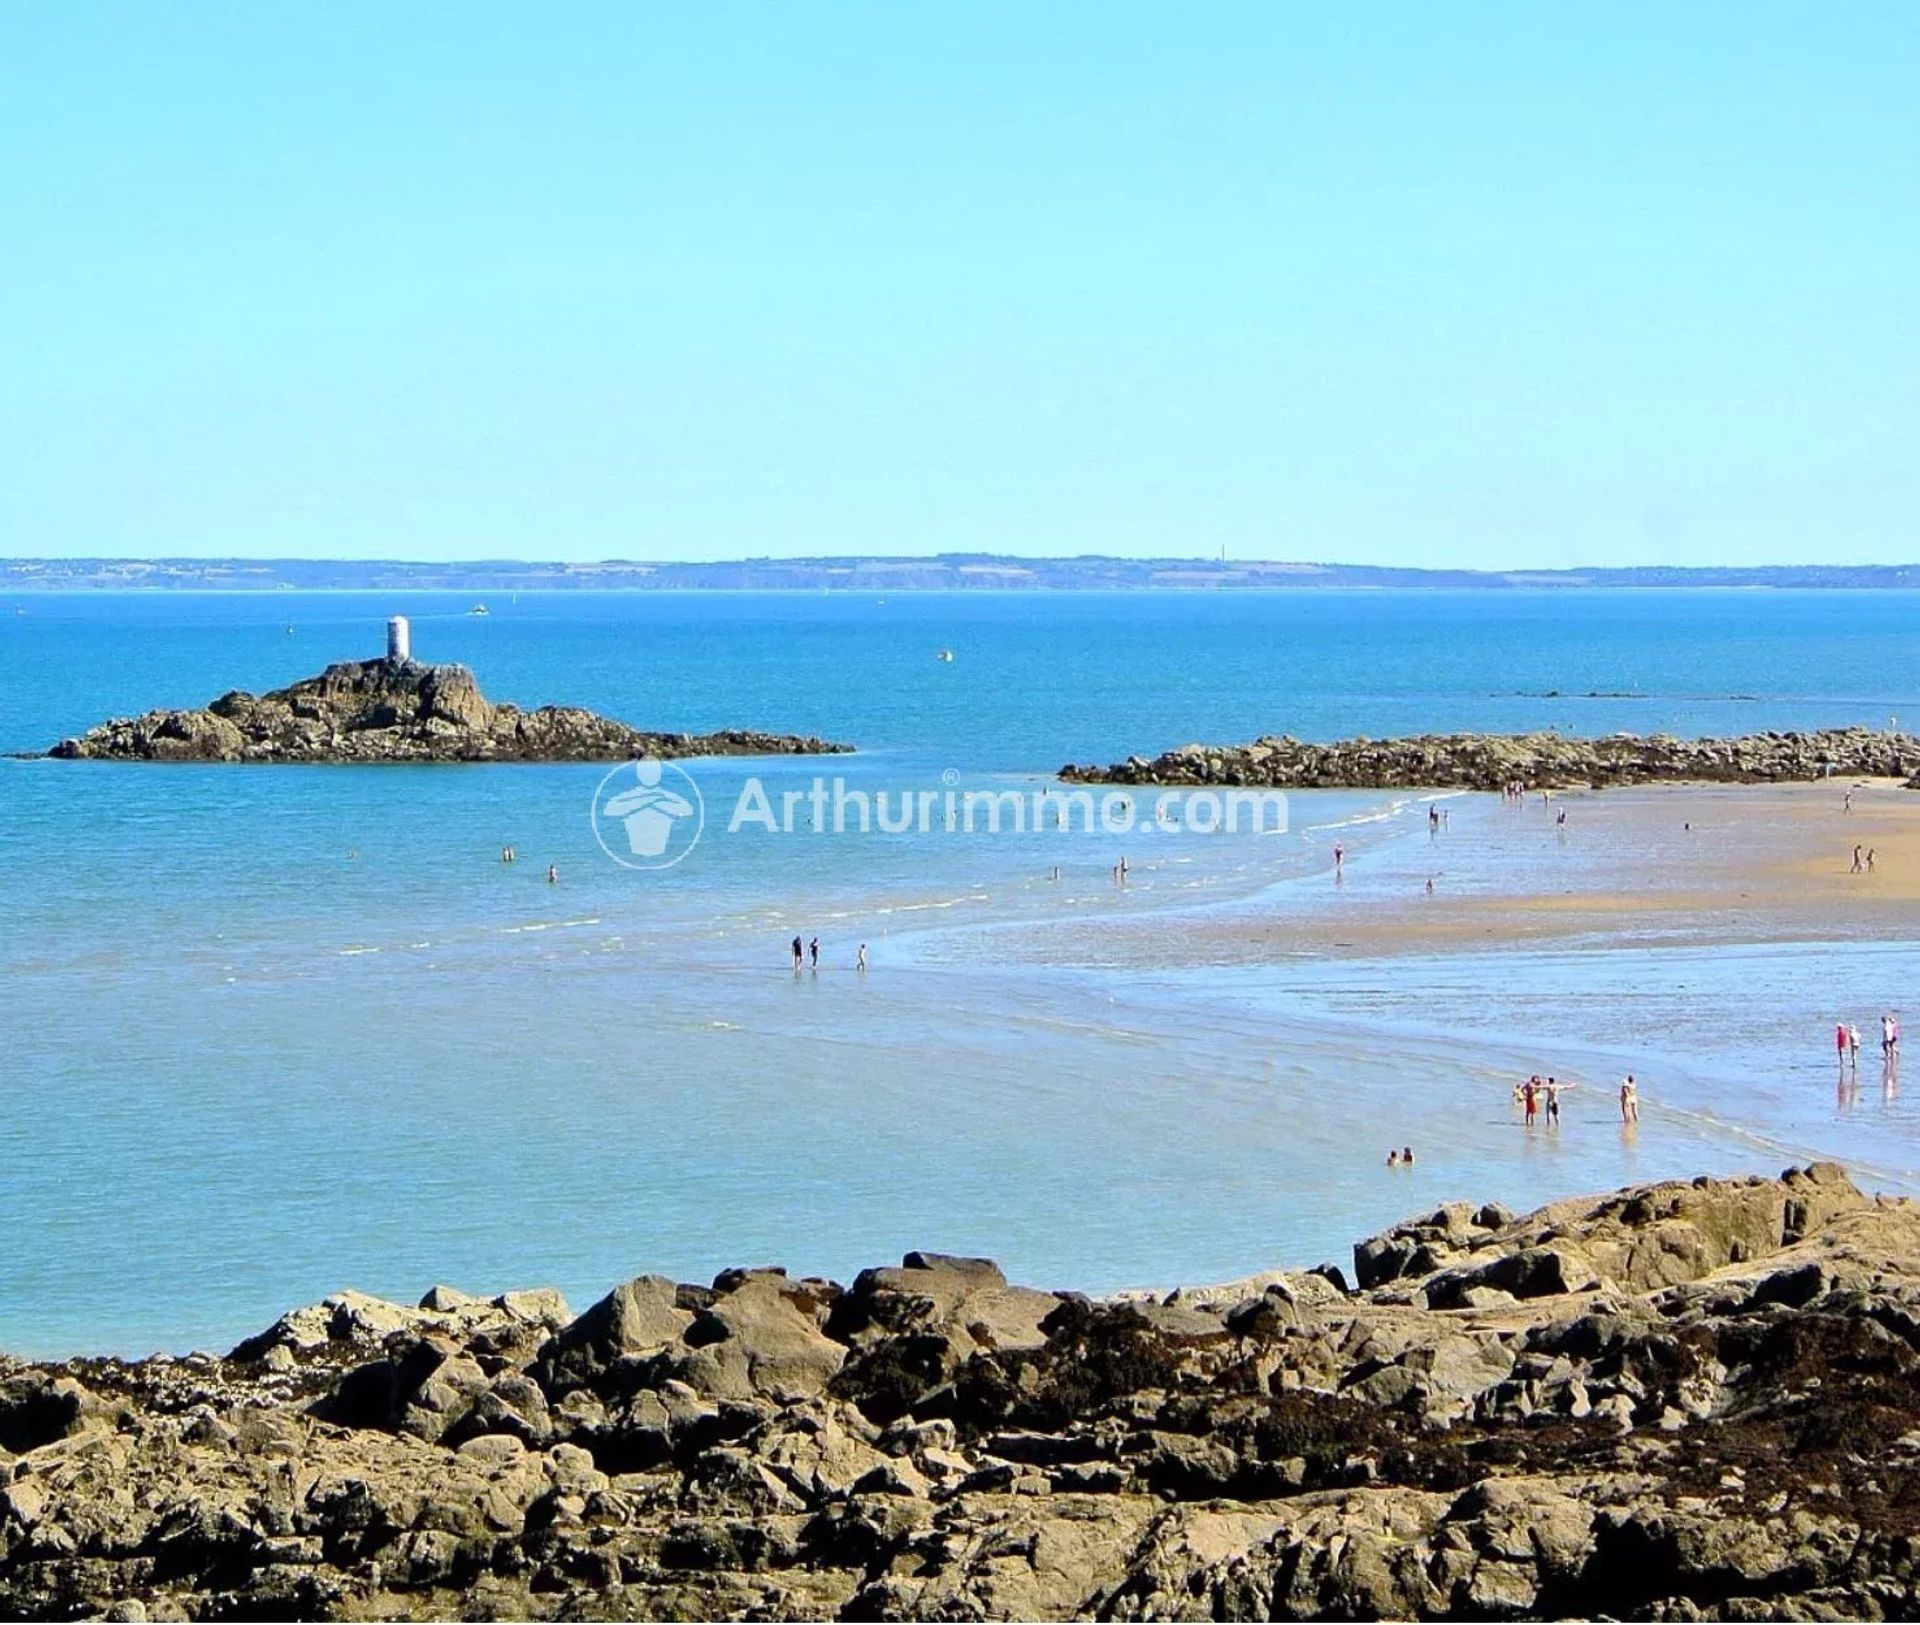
x=1703, y=864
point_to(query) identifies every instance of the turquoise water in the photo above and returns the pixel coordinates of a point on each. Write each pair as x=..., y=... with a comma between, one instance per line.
x=273, y=1031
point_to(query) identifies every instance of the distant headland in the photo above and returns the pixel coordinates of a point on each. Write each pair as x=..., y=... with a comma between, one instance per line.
x=398, y=709
x=944, y=572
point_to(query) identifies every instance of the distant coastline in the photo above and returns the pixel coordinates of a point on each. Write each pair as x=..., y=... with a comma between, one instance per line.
x=946, y=572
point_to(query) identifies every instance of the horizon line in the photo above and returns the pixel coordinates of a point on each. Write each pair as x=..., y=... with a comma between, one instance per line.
x=1011, y=563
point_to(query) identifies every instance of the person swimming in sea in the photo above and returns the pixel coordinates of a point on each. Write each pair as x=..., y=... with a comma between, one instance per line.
x=553, y=874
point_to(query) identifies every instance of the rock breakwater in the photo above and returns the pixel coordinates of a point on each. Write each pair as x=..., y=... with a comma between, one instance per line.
x=400, y=711
x=1534, y=760
x=1685, y=1400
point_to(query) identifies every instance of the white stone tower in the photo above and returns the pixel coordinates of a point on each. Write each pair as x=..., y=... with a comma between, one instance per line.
x=399, y=640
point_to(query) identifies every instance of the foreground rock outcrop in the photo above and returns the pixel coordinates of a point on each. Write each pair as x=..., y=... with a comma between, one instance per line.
x=1688, y=1400
x=1535, y=761
x=399, y=711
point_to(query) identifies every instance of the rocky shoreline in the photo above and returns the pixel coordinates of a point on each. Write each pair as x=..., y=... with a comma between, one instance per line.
x=391, y=710
x=1685, y=1400
x=1536, y=761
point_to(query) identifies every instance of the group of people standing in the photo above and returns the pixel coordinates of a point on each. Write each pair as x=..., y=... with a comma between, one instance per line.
x=1846, y=1042
x=510, y=854
x=808, y=953
x=1540, y=1097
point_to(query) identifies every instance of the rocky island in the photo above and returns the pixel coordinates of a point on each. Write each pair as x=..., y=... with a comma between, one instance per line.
x=398, y=709
x=1680, y=1401
x=1536, y=761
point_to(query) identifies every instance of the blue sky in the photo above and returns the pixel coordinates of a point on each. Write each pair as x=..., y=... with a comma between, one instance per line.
x=1466, y=284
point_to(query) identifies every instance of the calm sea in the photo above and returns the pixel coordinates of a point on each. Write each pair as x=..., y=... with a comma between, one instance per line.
x=274, y=1031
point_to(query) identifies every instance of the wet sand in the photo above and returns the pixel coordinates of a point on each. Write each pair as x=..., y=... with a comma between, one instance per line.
x=1698, y=865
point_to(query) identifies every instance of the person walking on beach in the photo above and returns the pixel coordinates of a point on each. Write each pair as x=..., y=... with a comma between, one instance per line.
x=1339, y=859
x=1629, y=1100
x=1853, y=1048
x=813, y=952
x=860, y=959
x=1531, y=1099
x=797, y=946
x=1847, y=805
x=1869, y=860
x=1553, y=1103
x=1840, y=1042
x=1856, y=862
x=1889, y=1035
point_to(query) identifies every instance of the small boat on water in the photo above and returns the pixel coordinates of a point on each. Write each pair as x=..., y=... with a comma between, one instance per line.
x=945, y=656
x=479, y=609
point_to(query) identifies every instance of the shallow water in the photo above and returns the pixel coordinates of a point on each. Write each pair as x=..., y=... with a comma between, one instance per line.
x=276, y=1031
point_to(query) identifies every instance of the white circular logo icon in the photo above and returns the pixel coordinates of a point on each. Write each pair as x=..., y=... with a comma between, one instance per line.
x=644, y=819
